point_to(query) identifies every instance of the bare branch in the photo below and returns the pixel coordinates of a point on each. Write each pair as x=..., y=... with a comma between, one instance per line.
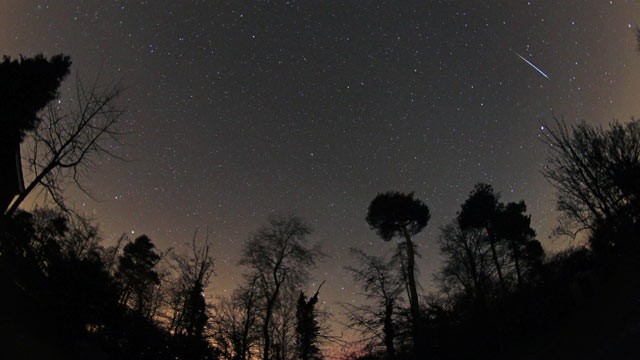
x=66, y=143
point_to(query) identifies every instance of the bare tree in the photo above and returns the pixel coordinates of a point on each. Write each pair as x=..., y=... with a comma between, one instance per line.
x=66, y=142
x=467, y=262
x=382, y=286
x=595, y=172
x=189, y=313
x=235, y=329
x=279, y=257
x=111, y=253
x=283, y=325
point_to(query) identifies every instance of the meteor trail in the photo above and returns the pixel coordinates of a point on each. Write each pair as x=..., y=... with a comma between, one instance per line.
x=535, y=67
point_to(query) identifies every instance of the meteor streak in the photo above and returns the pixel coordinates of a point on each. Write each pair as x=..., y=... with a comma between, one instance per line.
x=533, y=66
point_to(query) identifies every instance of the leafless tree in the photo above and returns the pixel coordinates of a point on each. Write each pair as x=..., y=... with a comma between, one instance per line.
x=595, y=172
x=194, y=270
x=68, y=140
x=467, y=266
x=111, y=253
x=279, y=257
x=283, y=325
x=235, y=323
x=382, y=287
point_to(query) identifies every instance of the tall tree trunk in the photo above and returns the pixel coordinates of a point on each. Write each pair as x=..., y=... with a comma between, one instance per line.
x=266, y=347
x=413, y=298
x=32, y=185
x=478, y=288
x=245, y=334
x=490, y=234
x=389, y=331
x=516, y=259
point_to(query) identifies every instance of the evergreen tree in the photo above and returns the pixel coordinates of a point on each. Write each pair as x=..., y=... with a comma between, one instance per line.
x=307, y=327
x=394, y=214
x=26, y=87
x=137, y=274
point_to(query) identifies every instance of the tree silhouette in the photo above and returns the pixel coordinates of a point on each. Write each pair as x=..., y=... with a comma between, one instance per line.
x=54, y=292
x=382, y=285
x=136, y=271
x=307, y=327
x=64, y=295
x=278, y=258
x=26, y=86
x=194, y=271
x=394, y=214
x=507, y=227
x=283, y=324
x=595, y=172
x=467, y=260
x=235, y=323
x=189, y=313
x=514, y=226
x=480, y=211
x=66, y=141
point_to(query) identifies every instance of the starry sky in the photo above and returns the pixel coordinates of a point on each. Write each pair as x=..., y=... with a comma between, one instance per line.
x=241, y=109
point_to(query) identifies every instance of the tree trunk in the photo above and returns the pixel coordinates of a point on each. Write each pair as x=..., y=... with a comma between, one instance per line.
x=516, y=259
x=245, y=335
x=389, y=333
x=23, y=195
x=266, y=348
x=478, y=287
x=495, y=260
x=413, y=298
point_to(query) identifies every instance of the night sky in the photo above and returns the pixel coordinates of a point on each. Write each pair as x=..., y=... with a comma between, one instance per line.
x=238, y=110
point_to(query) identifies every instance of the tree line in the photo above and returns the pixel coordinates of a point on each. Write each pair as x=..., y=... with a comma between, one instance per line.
x=66, y=295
